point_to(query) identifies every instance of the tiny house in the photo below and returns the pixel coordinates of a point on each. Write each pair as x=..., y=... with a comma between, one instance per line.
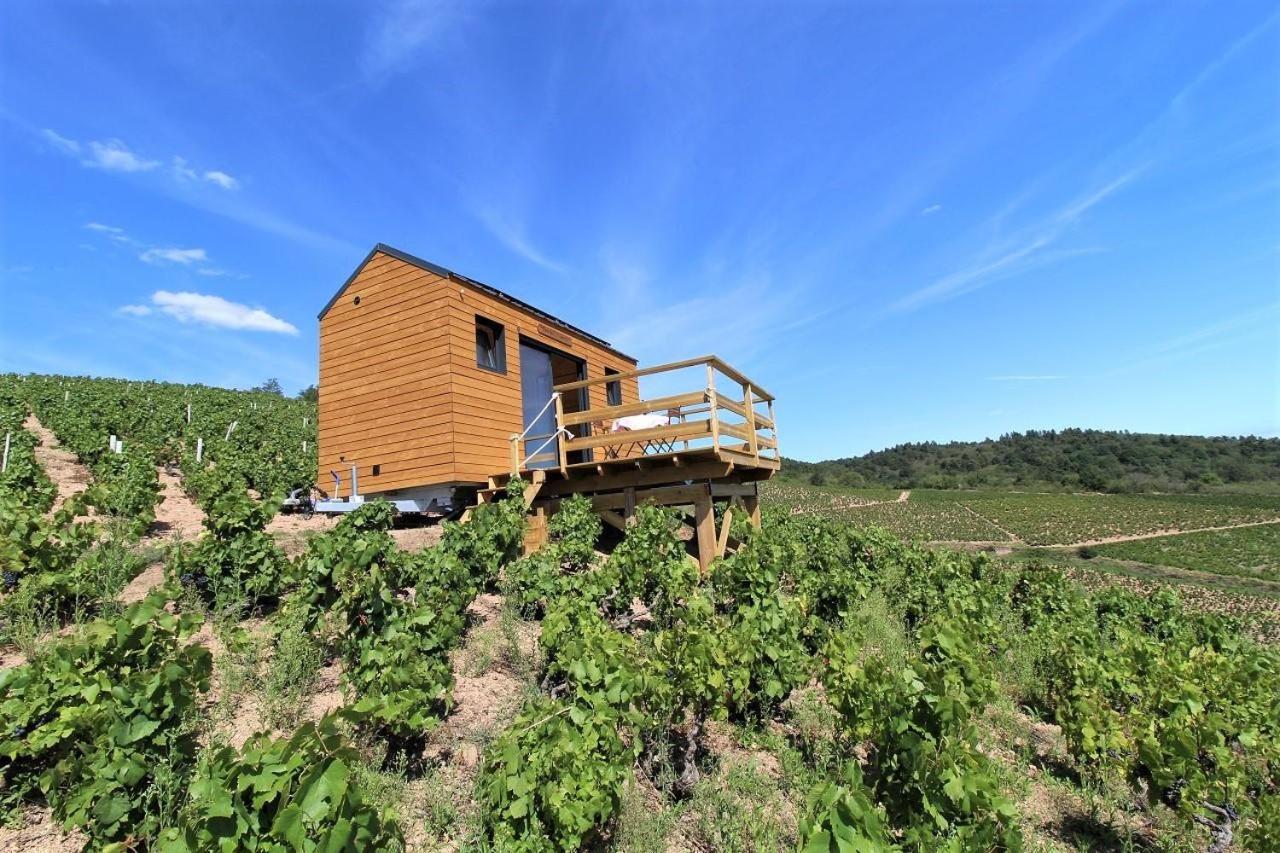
x=436, y=389
x=426, y=374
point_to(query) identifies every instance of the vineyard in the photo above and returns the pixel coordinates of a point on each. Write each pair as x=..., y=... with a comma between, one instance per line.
x=1041, y=519
x=826, y=686
x=1245, y=551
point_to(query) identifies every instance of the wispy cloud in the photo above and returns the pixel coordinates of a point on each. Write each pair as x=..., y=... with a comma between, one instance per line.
x=61, y=143
x=512, y=234
x=185, y=173
x=1262, y=320
x=104, y=229
x=931, y=209
x=222, y=179
x=186, y=257
x=398, y=30
x=195, y=257
x=208, y=310
x=1026, y=377
x=114, y=156
x=1032, y=248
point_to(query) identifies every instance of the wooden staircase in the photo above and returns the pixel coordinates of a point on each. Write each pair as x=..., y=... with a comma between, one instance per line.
x=498, y=486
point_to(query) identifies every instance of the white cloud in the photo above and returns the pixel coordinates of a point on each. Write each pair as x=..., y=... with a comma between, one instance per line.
x=134, y=310
x=208, y=310
x=111, y=232
x=400, y=29
x=114, y=156
x=1030, y=250
x=182, y=171
x=174, y=256
x=512, y=234
x=103, y=229
x=933, y=208
x=66, y=146
x=222, y=179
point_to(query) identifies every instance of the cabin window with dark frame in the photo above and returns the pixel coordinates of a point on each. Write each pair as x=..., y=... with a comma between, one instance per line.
x=612, y=390
x=491, y=350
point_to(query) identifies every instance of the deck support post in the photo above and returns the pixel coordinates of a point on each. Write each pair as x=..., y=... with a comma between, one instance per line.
x=704, y=519
x=560, y=437
x=714, y=405
x=535, y=530
x=752, y=505
x=726, y=524
x=629, y=505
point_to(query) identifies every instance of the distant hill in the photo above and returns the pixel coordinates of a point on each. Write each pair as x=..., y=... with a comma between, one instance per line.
x=1073, y=459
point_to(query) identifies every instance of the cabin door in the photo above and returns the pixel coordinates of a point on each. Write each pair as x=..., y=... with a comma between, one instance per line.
x=536, y=381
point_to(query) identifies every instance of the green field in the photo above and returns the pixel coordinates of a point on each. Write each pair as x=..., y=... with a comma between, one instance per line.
x=1252, y=552
x=1029, y=518
x=1031, y=524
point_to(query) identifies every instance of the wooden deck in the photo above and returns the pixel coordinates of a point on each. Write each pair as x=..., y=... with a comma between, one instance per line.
x=699, y=446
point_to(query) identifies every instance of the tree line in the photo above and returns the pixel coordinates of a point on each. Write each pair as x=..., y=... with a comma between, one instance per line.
x=1069, y=459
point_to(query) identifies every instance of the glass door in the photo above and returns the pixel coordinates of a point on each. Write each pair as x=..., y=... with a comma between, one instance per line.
x=536, y=382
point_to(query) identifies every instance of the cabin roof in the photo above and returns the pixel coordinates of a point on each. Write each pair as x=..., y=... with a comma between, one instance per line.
x=490, y=290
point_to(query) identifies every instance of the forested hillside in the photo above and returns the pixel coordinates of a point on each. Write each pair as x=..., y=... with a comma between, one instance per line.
x=1093, y=460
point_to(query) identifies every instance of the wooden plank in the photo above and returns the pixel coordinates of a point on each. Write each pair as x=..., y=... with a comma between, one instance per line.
x=733, y=406
x=622, y=479
x=725, y=524
x=751, y=419
x=729, y=490
x=657, y=404
x=663, y=496
x=747, y=459
x=675, y=431
x=563, y=452
x=635, y=374
x=738, y=432
x=705, y=529
x=752, y=504
x=612, y=519
x=733, y=374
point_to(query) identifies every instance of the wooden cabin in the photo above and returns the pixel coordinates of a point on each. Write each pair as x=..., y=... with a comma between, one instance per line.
x=436, y=388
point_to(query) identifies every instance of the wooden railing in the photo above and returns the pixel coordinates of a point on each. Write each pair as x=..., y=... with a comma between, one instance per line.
x=734, y=418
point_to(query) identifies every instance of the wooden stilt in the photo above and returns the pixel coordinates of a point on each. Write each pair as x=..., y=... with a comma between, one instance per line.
x=535, y=530
x=725, y=524
x=629, y=506
x=705, y=527
x=752, y=504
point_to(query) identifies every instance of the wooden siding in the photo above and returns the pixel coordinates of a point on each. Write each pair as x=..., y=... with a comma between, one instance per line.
x=400, y=387
x=487, y=406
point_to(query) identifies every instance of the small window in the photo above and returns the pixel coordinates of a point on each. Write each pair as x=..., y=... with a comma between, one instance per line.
x=491, y=351
x=612, y=390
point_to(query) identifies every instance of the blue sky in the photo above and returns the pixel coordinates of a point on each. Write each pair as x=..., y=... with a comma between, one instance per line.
x=908, y=221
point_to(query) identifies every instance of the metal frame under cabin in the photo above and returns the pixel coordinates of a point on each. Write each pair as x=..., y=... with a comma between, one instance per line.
x=719, y=442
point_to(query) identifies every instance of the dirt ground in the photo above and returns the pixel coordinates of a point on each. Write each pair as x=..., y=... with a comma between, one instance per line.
x=37, y=832
x=177, y=516
x=61, y=465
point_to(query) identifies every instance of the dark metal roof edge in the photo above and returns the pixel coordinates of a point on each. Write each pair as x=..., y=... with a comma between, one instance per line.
x=479, y=285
